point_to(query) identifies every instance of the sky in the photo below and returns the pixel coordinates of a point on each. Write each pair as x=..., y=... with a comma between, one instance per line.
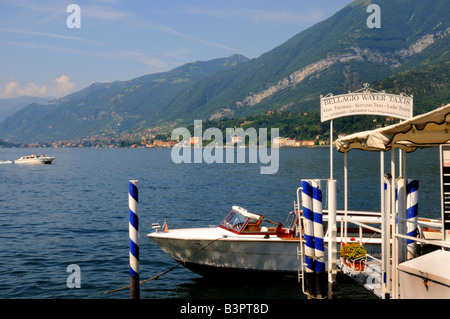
x=44, y=52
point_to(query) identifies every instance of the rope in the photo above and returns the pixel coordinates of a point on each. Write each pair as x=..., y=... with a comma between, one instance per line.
x=369, y=238
x=168, y=270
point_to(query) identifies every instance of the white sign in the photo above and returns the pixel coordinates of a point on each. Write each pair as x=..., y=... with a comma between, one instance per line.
x=366, y=103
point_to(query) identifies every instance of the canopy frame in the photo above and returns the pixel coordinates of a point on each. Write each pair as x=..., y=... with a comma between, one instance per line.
x=426, y=130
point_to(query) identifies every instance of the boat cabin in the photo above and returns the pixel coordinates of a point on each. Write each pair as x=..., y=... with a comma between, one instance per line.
x=241, y=221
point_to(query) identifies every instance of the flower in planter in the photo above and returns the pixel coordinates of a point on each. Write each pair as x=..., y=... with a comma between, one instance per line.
x=352, y=250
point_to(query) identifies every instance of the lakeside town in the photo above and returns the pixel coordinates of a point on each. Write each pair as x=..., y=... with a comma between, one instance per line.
x=161, y=142
x=296, y=130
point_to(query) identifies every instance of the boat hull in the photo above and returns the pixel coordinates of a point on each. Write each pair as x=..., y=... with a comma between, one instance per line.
x=44, y=160
x=213, y=252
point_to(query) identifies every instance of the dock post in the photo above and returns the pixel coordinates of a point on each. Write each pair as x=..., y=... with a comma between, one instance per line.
x=309, y=279
x=401, y=218
x=386, y=237
x=318, y=239
x=133, y=227
x=412, y=209
x=332, y=233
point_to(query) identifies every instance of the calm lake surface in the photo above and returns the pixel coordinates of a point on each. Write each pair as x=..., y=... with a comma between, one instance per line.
x=75, y=211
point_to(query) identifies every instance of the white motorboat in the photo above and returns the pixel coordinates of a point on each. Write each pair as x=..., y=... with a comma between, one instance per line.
x=244, y=243
x=247, y=244
x=35, y=159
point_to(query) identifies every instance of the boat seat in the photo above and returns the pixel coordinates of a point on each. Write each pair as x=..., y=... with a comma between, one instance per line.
x=252, y=228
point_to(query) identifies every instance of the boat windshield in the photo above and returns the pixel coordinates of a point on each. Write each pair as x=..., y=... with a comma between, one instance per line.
x=235, y=221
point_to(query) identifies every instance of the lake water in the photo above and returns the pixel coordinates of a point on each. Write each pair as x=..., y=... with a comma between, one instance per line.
x=75, y=211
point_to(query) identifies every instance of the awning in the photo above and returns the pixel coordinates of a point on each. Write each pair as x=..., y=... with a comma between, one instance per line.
x=425, y=130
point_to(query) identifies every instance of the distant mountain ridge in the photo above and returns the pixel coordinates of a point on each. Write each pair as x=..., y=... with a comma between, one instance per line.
x=106, y=108
x=336, y=55
x=9, y=106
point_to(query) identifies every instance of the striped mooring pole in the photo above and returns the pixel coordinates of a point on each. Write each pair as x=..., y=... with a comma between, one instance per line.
x=309, y=279
x=412, y=210
x=133, y=227
x=400, y=203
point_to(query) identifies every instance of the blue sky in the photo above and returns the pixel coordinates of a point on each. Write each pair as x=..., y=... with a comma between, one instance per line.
x=121, y=40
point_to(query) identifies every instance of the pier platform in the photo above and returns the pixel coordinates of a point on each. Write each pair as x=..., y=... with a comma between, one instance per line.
x=369, y=278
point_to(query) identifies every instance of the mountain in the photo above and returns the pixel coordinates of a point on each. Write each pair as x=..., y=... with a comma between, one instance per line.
x=106, y=108
x=430, y=86
x=10, y=106
x=409, y=53
x=334, y=56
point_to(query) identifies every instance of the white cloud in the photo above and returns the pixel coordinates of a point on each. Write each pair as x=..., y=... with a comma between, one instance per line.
x=313, y=15
x=52, y=35
x=122, y=55
x=307, y=15
x=33, y=89
x=61, y=86
x=143, y=58
x=10, y=88
x=103, y=12
x=186, y=36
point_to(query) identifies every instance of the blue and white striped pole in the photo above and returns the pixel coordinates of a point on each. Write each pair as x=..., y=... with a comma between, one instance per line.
x=308, y=235
x=401, y=218
x=309, y=224
x=319, y=251
x=412, y=210
x=133, y=226
x=318, y=225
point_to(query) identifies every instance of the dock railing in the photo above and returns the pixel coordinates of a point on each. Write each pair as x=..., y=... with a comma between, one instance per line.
x=371, y=274
x=372, y=277
x=382, y=236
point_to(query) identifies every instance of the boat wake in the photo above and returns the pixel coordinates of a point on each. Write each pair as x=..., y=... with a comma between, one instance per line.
x=5, y=162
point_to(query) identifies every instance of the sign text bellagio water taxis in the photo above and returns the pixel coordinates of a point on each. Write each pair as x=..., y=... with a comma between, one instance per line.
x=367, y=103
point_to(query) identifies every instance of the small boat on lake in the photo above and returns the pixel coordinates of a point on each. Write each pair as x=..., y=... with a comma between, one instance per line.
x=35, y=159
